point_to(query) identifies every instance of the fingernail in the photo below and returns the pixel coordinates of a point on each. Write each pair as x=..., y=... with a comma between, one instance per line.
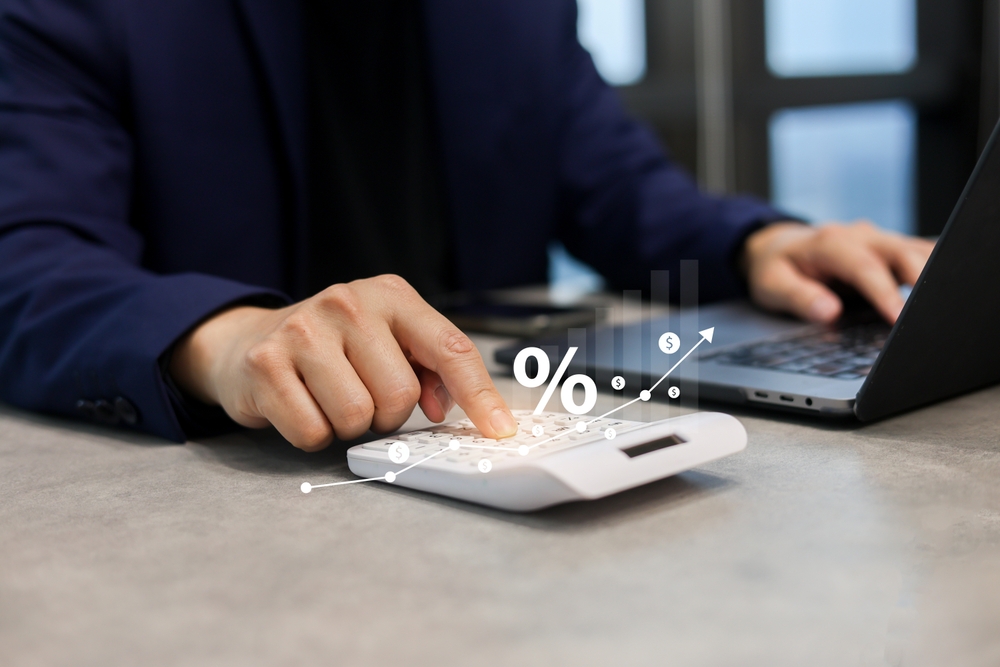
x=503, y=423
x=443, y=398
x=823, y=309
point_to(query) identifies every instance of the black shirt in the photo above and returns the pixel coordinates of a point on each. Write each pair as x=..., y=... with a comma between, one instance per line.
x=376, y=192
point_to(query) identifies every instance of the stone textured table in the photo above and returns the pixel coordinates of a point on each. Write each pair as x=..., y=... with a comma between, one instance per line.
x=819, y=545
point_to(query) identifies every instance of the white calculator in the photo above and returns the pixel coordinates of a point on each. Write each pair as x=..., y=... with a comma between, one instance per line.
x=554, y=458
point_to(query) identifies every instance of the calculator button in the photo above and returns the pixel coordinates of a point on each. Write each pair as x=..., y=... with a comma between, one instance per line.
x=415, y=435
x=378, y=446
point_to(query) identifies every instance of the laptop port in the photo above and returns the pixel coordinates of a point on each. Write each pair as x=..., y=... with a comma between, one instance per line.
x=788, y=398
x=760, y=394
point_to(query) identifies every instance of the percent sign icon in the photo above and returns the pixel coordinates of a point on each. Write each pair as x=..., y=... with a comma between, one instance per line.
x=566, y=394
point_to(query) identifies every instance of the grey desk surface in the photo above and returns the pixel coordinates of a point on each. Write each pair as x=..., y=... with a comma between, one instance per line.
x=818, y=545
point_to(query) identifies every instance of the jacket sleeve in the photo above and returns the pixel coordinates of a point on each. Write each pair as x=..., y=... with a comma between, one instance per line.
x=626, y=207
x=82, y=325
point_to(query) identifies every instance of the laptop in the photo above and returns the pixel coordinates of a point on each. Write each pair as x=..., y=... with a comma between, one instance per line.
x=945, y=342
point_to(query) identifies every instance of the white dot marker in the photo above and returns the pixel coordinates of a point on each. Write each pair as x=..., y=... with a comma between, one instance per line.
x=390, y=477
x=306, y=487
x=581, y=427
x=610, y=434
x=537, y=430
x=454, y=444
x=523, y=450
x=645, y=395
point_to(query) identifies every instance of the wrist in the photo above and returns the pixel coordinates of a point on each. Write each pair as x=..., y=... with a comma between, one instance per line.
x=766, y=240
x=198, y=357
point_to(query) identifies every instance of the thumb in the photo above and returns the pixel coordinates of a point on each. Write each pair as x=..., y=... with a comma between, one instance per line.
x=781, y=286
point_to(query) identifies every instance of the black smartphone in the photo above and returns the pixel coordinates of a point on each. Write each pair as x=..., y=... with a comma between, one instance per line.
x=514, y=319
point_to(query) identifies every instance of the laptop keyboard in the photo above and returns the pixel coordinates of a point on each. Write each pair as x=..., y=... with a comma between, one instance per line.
x=846, y=353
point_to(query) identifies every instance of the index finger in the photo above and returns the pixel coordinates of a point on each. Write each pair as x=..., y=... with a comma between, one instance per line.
x=906, y=255
x=870, y=274
x=438, y=345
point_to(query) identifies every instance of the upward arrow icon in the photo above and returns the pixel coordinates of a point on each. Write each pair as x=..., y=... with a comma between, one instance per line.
x=706, y=334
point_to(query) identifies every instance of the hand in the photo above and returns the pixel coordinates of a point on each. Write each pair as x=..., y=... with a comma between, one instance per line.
x=355, y=356
x=787, y=265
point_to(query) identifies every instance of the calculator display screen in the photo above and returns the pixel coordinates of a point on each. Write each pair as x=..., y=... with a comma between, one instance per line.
x=654, y=445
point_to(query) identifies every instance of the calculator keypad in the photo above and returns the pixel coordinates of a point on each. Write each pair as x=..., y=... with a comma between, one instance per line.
x=474, y=447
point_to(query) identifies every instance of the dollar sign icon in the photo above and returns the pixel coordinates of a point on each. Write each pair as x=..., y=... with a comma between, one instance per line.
x=618, y=382
x=673, y=392
x=669, y=342
x=398, y=452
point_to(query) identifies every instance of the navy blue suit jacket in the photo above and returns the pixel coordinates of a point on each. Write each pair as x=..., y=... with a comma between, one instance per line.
x=152, y=159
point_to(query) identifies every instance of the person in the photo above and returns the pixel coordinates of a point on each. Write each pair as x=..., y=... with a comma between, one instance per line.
x=219, y=212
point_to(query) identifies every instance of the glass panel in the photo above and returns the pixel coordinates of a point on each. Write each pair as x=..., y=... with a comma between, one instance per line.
x=614, y=31
x=569, y=278
x=838, y=37
x=846, y=162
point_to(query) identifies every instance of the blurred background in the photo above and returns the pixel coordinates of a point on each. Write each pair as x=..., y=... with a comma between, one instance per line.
x=832, y=109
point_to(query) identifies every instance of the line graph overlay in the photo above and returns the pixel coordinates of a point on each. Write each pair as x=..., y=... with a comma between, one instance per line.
x=706, y=334
x=388, y=477
x=523, y=450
